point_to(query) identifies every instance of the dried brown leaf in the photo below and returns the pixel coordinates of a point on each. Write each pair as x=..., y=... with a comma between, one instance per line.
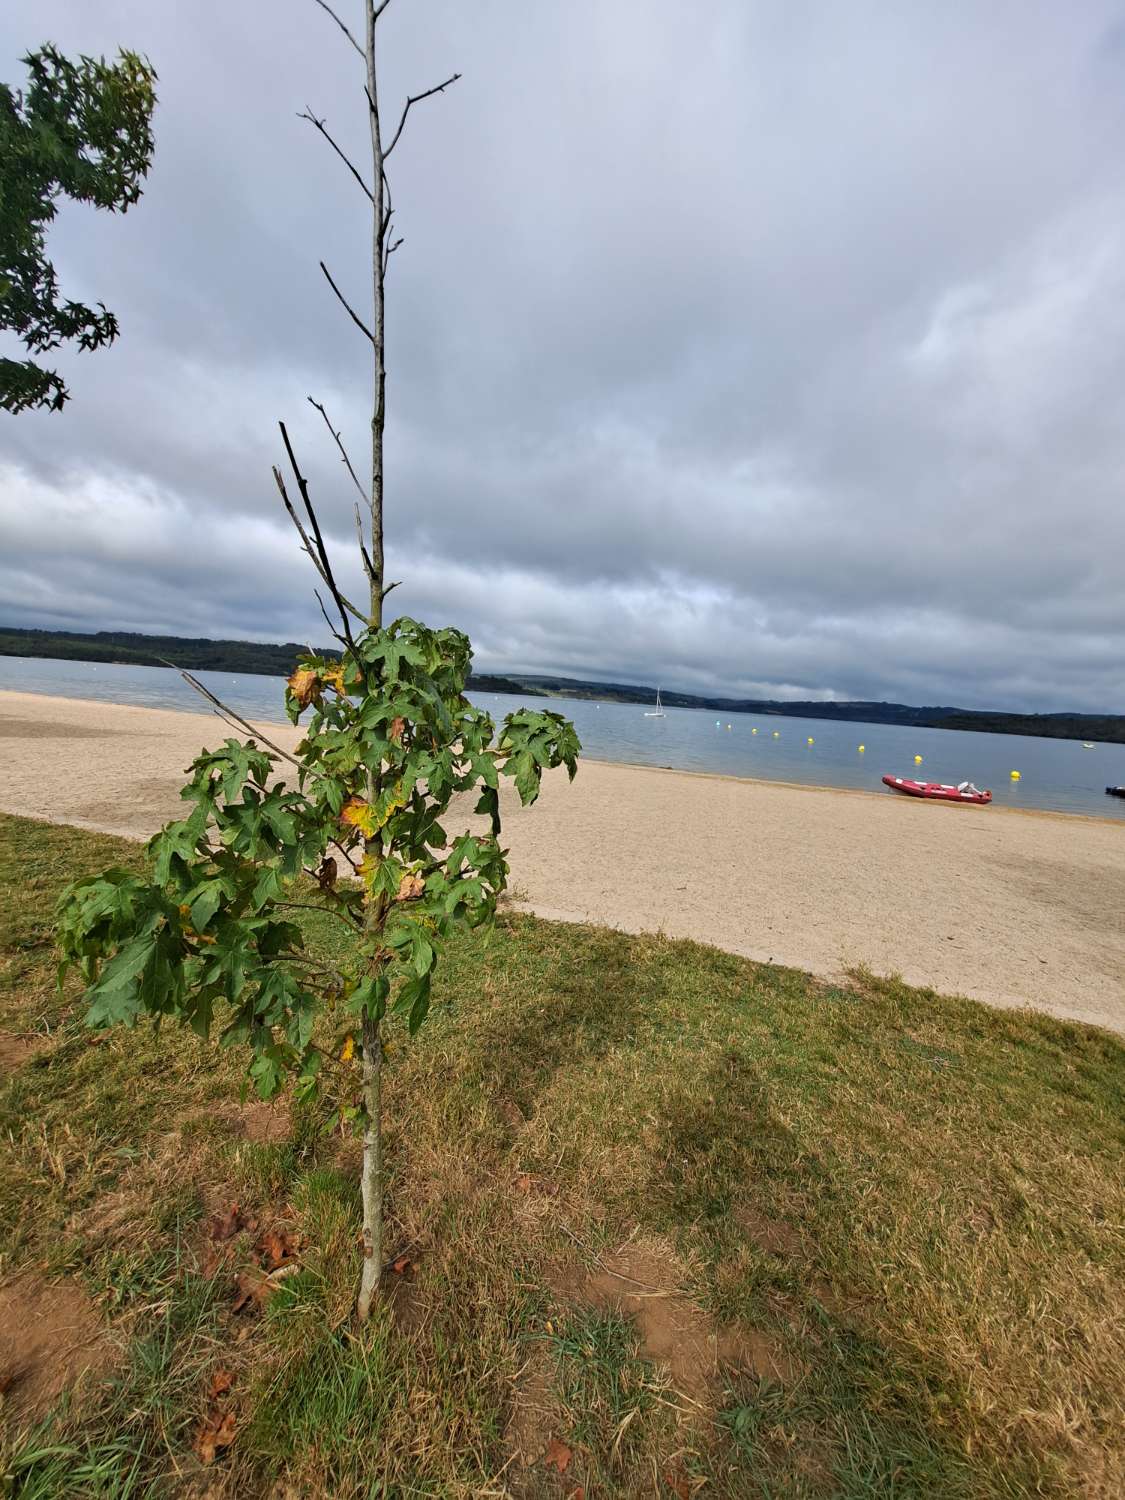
x=214, y=1432
x=557, y=1456
x=225, y=1226
x=305, y=685
x=221, y=1382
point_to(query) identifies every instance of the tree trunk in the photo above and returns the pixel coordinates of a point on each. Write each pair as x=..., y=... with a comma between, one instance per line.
x=371, y=1180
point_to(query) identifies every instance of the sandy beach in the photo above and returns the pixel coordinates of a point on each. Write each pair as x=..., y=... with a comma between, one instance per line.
x=1013, y=908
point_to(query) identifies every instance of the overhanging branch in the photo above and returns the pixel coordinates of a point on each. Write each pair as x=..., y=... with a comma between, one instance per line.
x=341, y=25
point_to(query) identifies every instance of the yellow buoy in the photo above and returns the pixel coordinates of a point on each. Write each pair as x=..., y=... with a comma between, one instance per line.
x=1015, y=775
x=811, y=740
x=753, y=731
x=917, y=760
x=777, y=734
x=862, y=748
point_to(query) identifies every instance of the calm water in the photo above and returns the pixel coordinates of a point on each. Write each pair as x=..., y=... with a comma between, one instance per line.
x=1056, y=774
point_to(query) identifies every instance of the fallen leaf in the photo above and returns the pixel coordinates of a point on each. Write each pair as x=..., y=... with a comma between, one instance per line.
x=277, y=1247
x=221, y=1382
x=226, y=1225
x=523, y=1182
x=678, y=1483
x=214, y=1432
x=304, y=685
x=250, y=1291
x=347, y=1051
x=579, y=1493
x=401, y=1265
x=558, y=1456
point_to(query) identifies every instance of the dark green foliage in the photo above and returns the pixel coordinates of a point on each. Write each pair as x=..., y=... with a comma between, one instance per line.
x=80, y=130
x=391, y=740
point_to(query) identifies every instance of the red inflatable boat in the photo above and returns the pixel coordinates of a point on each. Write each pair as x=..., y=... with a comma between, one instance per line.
x=938, y=790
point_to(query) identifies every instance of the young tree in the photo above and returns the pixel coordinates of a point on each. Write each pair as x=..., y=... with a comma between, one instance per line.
x=391, y=740
x=82, y=130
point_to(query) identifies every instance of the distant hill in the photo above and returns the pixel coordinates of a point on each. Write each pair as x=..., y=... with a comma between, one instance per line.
x=203, y=655
x=196, y=654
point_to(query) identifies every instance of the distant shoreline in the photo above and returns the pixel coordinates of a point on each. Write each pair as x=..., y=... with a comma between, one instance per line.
x=200, y=654
x=964, y=901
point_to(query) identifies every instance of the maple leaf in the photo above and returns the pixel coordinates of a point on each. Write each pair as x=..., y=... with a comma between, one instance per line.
x=305, y=685
x=334, y=678
x=226, y=1225
x=356, y=813
x=276, y=1248
x=557, y=1456
x=251, y=1291
x=214, y=1432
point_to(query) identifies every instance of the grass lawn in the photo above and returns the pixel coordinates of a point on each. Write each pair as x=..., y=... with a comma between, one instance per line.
x=670, y=1222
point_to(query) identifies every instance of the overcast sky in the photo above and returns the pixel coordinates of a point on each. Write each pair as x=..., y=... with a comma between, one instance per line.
x=739, y=346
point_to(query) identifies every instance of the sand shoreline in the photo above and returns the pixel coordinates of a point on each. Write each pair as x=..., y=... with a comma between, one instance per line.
x=1011, y=906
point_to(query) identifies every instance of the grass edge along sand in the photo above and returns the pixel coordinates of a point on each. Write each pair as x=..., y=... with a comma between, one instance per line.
x=666, y=1221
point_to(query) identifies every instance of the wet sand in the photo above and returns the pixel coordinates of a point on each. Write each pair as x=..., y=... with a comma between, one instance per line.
x=1010, y=907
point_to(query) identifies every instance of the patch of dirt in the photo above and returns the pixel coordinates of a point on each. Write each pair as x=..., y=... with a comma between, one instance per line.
x=534, y=1419
x=52, y=1336
x=263, y=1122
x=16, y=1050
x=643, y=1282
x=774, y=1236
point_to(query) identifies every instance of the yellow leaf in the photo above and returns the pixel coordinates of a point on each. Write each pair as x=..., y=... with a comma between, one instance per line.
x=356, y=812
x=305, y=685
x=334, y=678
x=347, y=1051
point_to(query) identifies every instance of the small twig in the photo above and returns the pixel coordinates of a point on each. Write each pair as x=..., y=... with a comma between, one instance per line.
x=328, y=910
x=346, y=305
x=438, y=88
x=379, y=9
x=229, y=713
x=389, y=251
x=307, y=546
x=327, y=621
x=342, y=604
x=317, y=406
x=308, y=115
x=342, y=27
x=391, y=586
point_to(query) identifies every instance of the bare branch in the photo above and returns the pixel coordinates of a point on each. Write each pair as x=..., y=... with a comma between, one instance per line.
x=389, y=251
x=368, y=565
x=229, y=714
x=391, y=586
x=307, y=544
x=317, y=406
x=358, y=321
x=327, y=621
x=379, y=9
x=329, y=911
x=341, y=25
x=307, y=114
x=438, y=88
x=342, y=604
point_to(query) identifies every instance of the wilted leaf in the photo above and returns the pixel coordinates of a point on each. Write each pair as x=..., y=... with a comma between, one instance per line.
x=305, y=685
x=214, y=1432
x=251, y=1291
x=557, y=1456
x=334, y=677
x=347, y=1051
x=410, y=887
x=401, y=1265
x=277, y=1247
x=397, y=726
x=523, y=1182
x=221, y=1382
x=677, y=1481
x=226, y=1225
x=326, y=875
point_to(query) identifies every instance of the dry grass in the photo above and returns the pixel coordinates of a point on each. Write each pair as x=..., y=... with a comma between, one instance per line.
x=889, y=1225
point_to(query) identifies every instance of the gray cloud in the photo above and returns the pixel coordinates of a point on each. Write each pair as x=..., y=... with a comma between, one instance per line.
x=743, y=347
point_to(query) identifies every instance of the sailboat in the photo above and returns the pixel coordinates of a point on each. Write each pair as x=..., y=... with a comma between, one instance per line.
x=658, y=711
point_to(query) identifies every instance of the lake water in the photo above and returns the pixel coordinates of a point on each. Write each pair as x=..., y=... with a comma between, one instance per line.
x=1055, y=774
